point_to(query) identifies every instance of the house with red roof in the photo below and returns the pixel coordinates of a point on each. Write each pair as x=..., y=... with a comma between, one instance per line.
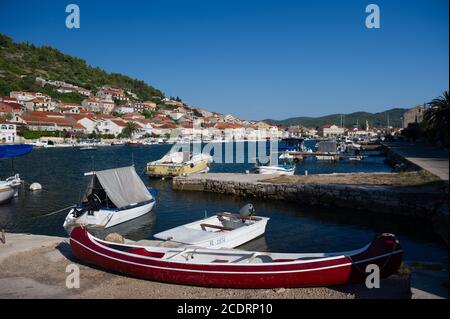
x=163, y=129
x=70, y=108
x=6, y=109
x=110, y=126
x=133, y=116
x=85, y=121
x=46, y=121
x=331, y=130
x=40, y=104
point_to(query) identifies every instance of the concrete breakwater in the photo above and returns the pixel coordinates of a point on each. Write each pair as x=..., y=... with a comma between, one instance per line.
x=408, y=194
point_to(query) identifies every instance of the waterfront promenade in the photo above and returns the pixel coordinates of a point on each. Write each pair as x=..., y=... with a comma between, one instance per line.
x=431, y=159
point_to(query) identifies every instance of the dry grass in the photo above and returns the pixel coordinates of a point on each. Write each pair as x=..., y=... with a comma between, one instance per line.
x=417, y=178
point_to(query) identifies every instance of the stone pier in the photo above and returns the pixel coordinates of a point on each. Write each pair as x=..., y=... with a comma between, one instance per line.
x=415, y=194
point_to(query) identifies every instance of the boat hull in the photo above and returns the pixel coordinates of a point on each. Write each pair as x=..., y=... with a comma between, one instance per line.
x=271, y=170
x=6, y=194
x=149, y=264
x=107, y=218
x=217, y=239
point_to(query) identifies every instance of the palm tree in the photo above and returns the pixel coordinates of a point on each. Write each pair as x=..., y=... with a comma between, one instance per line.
x=436, y=119
x=130, y=129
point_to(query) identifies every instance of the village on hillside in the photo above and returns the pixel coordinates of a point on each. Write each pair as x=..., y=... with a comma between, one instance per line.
x=114, y=113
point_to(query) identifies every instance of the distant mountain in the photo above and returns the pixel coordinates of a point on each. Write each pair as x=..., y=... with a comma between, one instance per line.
x=350, y=120
x=21, y=63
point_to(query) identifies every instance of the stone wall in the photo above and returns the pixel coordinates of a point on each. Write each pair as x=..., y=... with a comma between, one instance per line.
x=417, y=201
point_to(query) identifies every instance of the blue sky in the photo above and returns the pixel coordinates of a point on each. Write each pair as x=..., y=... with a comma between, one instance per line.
x=254, y=58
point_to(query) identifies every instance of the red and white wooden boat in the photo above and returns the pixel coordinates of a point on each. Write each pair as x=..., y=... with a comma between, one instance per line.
x=235, y=268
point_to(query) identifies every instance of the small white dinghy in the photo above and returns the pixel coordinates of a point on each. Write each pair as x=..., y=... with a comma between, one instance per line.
x=224, y=230
x=114, y=196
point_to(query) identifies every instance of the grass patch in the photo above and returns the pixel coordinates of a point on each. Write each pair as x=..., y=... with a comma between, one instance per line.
x=416, y=178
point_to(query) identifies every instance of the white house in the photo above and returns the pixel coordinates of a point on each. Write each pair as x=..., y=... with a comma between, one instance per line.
x=70, y=108
x=87, y=121
x=107, y=106
x=91, y=104
x=123, y=109
x=24, y=96
x=145, y=127
x=104, y=95
x=40, y=104
x=176, y=115
x=331, y=131
x=8, y=132
x=110, y=126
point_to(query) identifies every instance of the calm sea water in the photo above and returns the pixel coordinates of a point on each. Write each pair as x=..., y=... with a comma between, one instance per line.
x=292, y=228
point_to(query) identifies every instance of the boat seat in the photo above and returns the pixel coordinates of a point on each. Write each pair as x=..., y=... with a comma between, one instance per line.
x=238, y=216
x=203, y=226
x=220, y=261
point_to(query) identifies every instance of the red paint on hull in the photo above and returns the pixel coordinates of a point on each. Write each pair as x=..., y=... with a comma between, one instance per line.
x=326, y=272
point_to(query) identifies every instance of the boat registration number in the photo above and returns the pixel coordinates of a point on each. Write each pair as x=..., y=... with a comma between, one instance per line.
x=217, y=241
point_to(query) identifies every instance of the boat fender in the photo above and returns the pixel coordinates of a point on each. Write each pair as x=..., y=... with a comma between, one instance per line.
x=115, y=238
x=35, y=187
x=247, y=210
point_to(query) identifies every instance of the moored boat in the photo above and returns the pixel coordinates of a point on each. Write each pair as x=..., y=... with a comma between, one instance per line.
x=225, y=230
x=236, y=268
x=9, y=187
x=113, y=196
x=6, y=192
x=283, y=168
x=88, y=148
x=179, y=163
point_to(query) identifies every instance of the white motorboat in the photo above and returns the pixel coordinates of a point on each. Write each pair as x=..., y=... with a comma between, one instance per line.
x=355, y=158
x=88, y=148
x=286, y=156
x=224, y=230
x=179, y=164
x=9, y=188
x=6, y=192
x=285, y=168
x=113, y=196
x=277, y=170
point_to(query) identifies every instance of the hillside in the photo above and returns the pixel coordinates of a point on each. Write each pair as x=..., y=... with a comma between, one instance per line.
x=350, y=120
x=21, y=63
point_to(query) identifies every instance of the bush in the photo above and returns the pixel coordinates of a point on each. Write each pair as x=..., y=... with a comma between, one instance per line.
x=34, y=135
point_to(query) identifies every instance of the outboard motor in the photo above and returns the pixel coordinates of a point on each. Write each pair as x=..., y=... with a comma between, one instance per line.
x=247, y=210
x=94, y=202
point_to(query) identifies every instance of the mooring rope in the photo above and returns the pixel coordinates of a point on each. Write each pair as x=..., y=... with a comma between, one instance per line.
x=51, y=213
x=54, y=212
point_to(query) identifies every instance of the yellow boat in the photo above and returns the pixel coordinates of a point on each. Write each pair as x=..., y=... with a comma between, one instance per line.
x=179, y=164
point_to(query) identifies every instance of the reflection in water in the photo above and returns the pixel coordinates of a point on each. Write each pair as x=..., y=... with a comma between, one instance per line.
x=292, y=228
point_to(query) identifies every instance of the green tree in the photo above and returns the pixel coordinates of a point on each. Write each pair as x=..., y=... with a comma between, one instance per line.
x=148, y=114
x=436, y=119
x=130, y=129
